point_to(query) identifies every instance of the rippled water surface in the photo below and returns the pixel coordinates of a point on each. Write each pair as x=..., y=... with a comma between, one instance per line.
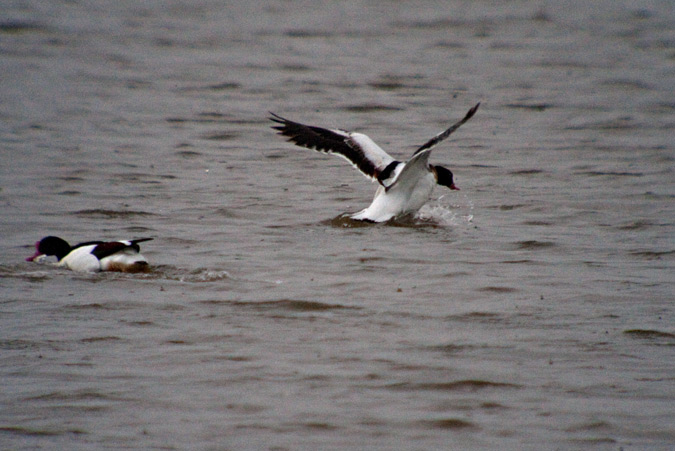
x=531, y=310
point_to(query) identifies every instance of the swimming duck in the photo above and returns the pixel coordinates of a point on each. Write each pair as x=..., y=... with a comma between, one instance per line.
x=94, y=256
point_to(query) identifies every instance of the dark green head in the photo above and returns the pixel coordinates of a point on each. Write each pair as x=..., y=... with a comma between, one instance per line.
x=444, y=177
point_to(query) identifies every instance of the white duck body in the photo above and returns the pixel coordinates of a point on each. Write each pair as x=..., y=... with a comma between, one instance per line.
x=94, y=256
x=413, y=184
x=82, y=259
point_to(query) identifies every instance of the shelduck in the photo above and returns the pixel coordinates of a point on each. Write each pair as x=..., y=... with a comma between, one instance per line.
x=404, y=186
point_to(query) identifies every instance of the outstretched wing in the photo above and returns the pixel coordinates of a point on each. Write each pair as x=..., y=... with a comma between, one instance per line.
x=441, y=136
x=357, y=148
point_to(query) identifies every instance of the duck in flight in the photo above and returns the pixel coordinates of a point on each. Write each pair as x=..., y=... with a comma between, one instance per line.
x=94, y=256
x=404, y=186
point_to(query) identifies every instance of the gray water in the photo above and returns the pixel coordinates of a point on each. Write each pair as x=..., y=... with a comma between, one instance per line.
x=531, y=310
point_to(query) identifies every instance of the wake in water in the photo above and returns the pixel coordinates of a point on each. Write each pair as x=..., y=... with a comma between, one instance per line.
x=50, y=269
x=198, y=275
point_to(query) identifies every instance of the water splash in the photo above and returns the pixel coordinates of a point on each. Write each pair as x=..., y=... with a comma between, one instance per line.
x=444, y=214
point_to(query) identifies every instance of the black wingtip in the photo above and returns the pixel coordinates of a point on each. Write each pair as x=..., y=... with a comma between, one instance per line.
x=276, y=118
x=472, y=111
x=140, y=240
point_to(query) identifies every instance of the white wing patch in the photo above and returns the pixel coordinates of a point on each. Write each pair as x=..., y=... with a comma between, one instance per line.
x=378, y=158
